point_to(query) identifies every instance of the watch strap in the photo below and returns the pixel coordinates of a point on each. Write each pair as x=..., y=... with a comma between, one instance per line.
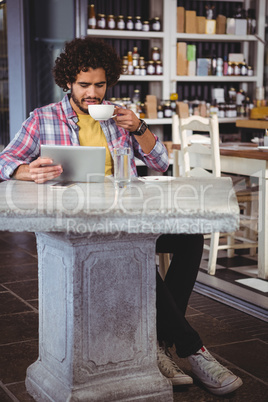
x=141, y=129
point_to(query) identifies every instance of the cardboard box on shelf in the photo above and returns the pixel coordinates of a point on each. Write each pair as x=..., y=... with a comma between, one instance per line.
x=201, y=25
x=191, y=68
x=151, y=106
x=190, y=21
x=191, y=52
x=221, y=24
x=230, y=26
x=180, y=19
x=240, y=27
x=181, y=58
x=182, y=109
x=203, y=66
x=236, y=57
x=210, y=27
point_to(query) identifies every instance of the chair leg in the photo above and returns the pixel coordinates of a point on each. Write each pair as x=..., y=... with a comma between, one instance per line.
x=213, y=252
x=230, y=242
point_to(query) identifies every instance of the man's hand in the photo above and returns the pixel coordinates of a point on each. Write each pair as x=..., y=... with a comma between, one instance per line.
x=39, y=171
x=126, y=119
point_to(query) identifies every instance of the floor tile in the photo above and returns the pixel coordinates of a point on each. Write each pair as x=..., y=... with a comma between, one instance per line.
x=19, y=391
x=14, y=257
x=18, y=327
x=15, y=358
x=250, y=356
x=10, y=304
x=27, y=290
x=17, y=272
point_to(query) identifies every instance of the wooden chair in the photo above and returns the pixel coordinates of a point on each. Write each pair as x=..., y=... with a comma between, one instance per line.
x=203, y=159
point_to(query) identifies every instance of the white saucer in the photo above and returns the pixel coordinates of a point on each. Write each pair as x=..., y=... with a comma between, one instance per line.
x=156, y=178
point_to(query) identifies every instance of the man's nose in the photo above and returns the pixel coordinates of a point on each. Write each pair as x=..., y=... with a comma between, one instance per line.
x=91, y=92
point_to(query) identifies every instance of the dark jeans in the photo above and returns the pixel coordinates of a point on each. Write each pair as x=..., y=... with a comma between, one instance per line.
x=172, y=295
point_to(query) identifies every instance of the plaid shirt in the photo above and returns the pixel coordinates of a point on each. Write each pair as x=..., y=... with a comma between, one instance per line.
x=57, y=124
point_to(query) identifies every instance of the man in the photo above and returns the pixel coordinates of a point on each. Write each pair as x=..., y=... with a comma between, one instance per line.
x=86, y=68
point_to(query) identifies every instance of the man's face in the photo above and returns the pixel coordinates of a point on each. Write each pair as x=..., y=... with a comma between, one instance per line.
x=88, y=89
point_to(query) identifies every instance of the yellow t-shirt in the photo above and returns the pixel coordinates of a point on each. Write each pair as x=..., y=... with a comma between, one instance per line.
x=91, y=135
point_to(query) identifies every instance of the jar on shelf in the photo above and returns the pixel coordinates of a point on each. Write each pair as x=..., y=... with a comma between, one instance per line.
x=219, y=67
x=129, y=24
x=110, y=22
x=130, y=63
x=237, y=70
x=137, y=23
x=120, y=22
x=230, y=70
x=160, y=112
x=101, y=21
x=155, y=24
x=135, y=56
x=137, y=70
x=136, y=96
x=221, y=113
x=232, y=95
x=243, y=69
x=158, y=67
x=167, y=109
x=143, y=70
x=150, y=68
x=155, y=53
x=145, y=26
x=125, y=65
x=92, y=21
x=250, y=71
x=142, y=61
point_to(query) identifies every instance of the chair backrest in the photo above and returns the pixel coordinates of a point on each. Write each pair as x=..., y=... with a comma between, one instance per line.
x=199, y=154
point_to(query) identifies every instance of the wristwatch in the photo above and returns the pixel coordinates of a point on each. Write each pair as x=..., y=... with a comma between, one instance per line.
x=141, y=129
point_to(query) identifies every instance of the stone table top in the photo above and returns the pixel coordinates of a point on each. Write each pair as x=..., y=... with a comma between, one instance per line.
x=174, y=205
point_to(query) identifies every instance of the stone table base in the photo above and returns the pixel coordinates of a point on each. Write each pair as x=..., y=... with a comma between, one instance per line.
x=97, y=320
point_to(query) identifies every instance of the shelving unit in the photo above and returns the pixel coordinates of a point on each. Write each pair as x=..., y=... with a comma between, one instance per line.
x=252, y=46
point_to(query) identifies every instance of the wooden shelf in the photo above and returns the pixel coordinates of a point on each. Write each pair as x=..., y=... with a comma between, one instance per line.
x=141, y=78
x=215, y=78
x=124, y=34
x=215, y=38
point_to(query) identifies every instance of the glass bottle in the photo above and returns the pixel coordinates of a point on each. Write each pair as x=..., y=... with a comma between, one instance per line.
x=142, y=61
x=225, y=66
x=230, y=69
x=92, y=22
x=110, y=22
x=120, y=23
x=155, y=53
x=145, y=26
x=160, y=112
x=136, y=56
x=130, y=23
x=150, y=68
x=158, y=67
x=243, y=69
x=130, y=63
x=125, y=65
x=138, y=23
x=167, y=109
x=136, y=96
x=101, y=21
x=155, y=24
x=143, y=70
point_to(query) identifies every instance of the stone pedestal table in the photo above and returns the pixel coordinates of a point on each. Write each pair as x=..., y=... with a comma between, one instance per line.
x=96, y=257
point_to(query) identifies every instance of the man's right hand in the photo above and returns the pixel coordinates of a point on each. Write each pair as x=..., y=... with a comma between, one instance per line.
x=39, y=171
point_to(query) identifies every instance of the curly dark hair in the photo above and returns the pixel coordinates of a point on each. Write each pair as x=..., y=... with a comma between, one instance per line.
x=82, y=54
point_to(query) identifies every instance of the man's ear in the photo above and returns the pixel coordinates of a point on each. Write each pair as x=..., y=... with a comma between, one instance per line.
x=69, y=85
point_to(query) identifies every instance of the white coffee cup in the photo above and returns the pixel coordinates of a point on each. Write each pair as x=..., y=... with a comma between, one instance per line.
x=101, y=112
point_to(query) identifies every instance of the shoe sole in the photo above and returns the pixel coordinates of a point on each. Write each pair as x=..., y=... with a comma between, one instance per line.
x=223, y=390
x=181, y=381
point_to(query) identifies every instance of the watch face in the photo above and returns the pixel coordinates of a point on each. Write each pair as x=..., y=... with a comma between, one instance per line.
x=143, y=128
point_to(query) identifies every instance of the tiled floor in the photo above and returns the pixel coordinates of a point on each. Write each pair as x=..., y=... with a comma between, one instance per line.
x=238, y=340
